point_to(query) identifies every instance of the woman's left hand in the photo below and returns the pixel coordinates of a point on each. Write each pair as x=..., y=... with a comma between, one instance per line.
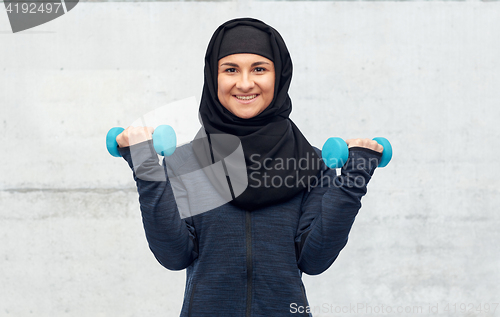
x=366, y=143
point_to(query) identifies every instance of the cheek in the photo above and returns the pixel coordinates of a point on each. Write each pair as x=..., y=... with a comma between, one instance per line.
x=220, y=87
x=219, y=93
x=223, y=86
x=270, y=87
x=222, y=92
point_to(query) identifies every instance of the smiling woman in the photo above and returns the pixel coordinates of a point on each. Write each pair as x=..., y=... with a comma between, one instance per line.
x=245, y=84
x=246, y=257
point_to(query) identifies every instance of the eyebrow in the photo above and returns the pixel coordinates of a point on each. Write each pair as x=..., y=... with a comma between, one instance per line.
x=236, y=65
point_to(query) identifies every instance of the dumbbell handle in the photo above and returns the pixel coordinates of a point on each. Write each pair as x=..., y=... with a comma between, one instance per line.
x=164, y=140
x=335, y=152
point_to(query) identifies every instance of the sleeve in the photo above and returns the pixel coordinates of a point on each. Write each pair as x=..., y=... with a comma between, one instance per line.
x=171, y=239
x=329, y=209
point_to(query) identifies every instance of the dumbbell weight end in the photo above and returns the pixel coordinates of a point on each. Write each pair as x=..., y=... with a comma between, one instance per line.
x=164, y=140
x=387, y=154
x=335, y=152
x=111, y=144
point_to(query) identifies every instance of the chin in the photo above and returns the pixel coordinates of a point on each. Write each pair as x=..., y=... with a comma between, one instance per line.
x=246, y=115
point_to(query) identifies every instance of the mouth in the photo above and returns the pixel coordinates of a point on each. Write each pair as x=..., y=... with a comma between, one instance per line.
x=246, y=97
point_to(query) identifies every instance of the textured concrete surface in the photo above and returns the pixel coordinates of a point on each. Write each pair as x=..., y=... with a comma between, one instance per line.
x=423, y=74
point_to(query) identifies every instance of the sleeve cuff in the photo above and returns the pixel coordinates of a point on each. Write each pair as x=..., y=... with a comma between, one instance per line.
x=363, y=149
x=143, y=161
x=361, y=158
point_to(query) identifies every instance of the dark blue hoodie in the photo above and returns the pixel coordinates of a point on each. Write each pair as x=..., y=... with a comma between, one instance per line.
x=249, y=263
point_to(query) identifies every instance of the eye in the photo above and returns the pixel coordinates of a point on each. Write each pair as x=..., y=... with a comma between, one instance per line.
x=260, y=69
x=230, y=70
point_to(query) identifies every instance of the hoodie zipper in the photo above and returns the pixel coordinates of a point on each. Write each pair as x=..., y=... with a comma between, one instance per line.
x=248, y=234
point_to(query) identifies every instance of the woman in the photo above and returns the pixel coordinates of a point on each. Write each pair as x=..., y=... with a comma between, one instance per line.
x=246, y=257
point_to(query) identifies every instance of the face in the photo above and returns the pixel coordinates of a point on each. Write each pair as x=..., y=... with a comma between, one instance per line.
x=245, y=84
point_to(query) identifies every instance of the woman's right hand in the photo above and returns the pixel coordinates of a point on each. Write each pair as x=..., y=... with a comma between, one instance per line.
x=134, y=135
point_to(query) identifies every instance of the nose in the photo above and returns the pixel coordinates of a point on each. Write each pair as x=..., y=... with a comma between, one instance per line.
x=245, y=82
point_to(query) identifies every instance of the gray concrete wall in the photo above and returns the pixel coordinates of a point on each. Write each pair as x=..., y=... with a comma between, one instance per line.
x=423, y=74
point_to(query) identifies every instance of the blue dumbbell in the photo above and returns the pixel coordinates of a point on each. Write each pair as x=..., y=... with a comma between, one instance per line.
x=335, y=152
x=164, y=140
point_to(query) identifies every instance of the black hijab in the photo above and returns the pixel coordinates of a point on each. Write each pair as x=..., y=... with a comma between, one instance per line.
x=279, y=160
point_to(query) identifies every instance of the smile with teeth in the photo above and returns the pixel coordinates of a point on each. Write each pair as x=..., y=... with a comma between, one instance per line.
x=245, y=97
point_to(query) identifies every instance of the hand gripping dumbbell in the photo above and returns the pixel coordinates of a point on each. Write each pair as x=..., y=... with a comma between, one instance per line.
x=164, y=140
x=335, y=152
